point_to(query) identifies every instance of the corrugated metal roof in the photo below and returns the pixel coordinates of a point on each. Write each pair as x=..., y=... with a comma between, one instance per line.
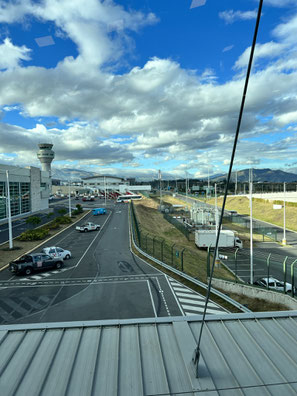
x=241, y=354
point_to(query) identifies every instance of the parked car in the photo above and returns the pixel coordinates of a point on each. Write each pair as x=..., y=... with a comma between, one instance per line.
x=273, y=284
x=88, y=199
x=54, y=251
x=29, y=263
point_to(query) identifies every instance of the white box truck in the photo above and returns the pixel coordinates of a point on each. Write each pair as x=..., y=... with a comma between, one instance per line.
x=205, y=238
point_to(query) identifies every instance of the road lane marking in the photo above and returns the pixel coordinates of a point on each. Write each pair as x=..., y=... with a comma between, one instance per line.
x=176, y=299
x=98, y=233
x=152, y=300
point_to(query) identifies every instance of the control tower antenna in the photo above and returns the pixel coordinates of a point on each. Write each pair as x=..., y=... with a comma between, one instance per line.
x=45, y=155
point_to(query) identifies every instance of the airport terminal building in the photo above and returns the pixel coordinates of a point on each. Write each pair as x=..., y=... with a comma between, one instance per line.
x=29, y=190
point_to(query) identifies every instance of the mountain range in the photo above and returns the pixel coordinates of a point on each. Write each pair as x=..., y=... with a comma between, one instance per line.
x=259, y=175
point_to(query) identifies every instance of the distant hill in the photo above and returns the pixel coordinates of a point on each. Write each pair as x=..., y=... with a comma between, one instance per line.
x=260, y=175
x=72, y=174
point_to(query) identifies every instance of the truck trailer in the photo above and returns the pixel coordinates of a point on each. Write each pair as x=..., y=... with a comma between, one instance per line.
x=206, y=238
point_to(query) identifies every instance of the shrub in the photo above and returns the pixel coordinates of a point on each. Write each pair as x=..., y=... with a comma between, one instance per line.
x=62, y=211
x=34, y=235
x=33, y=220
x=62, y=220
x=49, y=215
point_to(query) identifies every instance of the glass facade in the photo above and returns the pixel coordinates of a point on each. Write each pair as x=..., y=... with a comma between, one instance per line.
x=2, y=200
x=20, y=201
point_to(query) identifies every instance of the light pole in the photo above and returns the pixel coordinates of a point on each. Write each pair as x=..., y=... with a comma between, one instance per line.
x=251, y=229
x=284, y=241
x=69, y=197
x=105, y=190
x=160, y=186
x=217, y=261
x=8, y=211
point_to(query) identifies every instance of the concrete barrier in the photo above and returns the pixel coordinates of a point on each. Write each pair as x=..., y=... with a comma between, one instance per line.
x=255, y=292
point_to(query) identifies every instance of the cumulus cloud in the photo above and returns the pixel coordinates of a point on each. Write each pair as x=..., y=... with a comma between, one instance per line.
x=11, y=55
x=89, y=27
x=230, y=16
x=267, y=50
x=158, y=111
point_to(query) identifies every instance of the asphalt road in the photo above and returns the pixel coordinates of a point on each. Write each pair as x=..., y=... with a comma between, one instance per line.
x=103, y=280
x=261, y=251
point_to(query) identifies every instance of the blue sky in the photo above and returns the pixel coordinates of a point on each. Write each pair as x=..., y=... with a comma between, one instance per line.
x=129, y=87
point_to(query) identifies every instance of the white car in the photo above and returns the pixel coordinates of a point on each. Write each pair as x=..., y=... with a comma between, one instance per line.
x=88, y=227
x=274, y=284
x=54, y=251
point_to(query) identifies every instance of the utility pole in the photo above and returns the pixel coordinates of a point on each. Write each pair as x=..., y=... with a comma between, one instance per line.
x=251, y=229
x=284, y=241
x=9, y=211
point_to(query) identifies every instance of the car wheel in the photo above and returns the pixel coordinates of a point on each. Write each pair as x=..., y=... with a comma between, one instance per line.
x=58, y=265
x=67, y=257
x=85, y=230
x=98, y=228
x=28, y=271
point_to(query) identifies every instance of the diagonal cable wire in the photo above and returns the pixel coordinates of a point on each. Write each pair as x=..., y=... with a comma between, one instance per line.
x=196, y=355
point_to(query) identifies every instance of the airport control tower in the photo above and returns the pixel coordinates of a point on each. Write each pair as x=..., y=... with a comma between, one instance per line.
x=45, y=156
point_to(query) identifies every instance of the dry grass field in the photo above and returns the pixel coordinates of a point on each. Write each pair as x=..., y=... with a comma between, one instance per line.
x=262, y=210
x=152, y=221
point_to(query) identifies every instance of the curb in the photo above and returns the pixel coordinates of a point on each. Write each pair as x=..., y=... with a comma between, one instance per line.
x=51, y=237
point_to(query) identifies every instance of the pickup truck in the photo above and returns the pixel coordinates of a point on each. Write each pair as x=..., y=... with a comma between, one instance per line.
x=34, y=262
x=88, y=227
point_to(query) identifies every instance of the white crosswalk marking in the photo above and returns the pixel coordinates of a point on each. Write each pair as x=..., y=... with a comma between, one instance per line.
x=193, y=303
x=43, y=275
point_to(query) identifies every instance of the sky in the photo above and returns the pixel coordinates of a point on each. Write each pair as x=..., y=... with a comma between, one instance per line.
x=128, y=87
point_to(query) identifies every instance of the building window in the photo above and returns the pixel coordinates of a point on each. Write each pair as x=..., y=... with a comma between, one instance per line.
x=2, y=200
x=14, y=188
x=25, y=198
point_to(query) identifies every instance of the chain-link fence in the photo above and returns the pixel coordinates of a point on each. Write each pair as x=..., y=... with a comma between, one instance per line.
x=264, y=269
x=243, y=222
x=192, y=261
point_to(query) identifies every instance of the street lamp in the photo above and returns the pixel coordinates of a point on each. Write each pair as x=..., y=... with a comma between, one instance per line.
x=69, y=197
x=284, y=241
x=8, y=210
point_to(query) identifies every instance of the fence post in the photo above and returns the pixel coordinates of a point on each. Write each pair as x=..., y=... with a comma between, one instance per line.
x=268, y=269
x=235, y=256
x=154, y=246
x=162, y=249
x=182, y=260
x=146, y=242
x=172, y=255
x=285, y=273
x=293, y=277
x=208, y=262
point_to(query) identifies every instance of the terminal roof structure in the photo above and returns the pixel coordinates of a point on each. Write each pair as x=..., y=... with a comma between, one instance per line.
x=241, y=354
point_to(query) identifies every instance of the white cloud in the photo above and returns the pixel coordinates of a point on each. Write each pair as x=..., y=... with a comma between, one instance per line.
x=88, y=26
x=12, y=55
x=230, y=16
x=228, y=48
x=267, y=50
